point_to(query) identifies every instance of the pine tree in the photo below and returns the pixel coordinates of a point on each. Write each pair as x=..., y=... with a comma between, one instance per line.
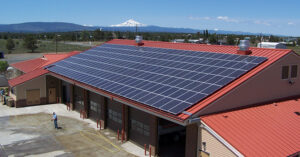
x=10, y=45
x=30, y=43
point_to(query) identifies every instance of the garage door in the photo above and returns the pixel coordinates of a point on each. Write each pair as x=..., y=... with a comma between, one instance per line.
x=33, y=97
x=139, y=128
x=78, y=99
x=95, y=106
x=114, y=115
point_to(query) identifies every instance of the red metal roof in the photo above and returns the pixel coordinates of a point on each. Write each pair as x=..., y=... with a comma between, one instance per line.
x=27, y=76
x=272, y=55
x=268, y=130
x=30, y=65
x=35, y=67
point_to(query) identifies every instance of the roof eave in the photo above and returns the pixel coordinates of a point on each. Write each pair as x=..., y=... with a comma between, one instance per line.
x=125, y=101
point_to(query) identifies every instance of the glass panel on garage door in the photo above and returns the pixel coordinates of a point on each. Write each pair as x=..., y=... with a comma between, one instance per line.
x=96, y=101
x=139, y=127
x=78, y=98
x=114, y=115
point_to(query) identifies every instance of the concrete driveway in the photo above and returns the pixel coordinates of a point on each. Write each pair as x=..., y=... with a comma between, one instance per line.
x=30, y=132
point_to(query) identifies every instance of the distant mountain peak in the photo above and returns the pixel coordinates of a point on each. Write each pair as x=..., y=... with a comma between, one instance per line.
x=129, y=23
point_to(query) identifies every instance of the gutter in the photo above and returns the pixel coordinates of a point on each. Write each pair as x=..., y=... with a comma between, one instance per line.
x=220, y=139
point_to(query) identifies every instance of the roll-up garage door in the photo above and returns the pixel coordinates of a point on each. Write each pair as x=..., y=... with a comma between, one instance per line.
x=114, y=115
x=33, y=97
x=139, y=127
x=95, y=106
x=78, y=99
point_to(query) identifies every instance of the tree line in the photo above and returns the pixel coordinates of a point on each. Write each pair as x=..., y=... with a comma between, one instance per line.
x=30, y=39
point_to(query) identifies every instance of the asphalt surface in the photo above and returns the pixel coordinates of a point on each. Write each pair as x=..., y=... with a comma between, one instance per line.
x=13, y=58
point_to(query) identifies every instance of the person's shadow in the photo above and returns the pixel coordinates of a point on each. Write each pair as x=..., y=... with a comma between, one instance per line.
x=59, y=127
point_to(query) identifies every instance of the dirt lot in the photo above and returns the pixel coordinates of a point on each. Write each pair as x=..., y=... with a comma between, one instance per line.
x=34, y=135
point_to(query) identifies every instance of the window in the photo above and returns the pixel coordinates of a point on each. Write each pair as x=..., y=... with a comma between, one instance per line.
x=95, y=102
x=93, y=105
x=285, y=72
x=140, y=127
x=115, y=116
x=294, y=71
x=78, y=95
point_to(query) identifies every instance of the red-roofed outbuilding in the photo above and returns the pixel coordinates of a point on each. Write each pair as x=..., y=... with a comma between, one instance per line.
x=29, y=88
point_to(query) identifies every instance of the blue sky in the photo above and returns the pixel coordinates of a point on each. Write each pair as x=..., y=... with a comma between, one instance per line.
x=259, y=16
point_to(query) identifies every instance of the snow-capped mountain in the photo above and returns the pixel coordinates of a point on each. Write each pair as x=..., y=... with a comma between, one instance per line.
x=129, y=23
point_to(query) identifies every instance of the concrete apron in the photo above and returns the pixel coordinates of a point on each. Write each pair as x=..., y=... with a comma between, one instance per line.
x=29, y=132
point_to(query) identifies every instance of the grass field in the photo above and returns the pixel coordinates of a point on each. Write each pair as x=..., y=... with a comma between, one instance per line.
x=43, y=46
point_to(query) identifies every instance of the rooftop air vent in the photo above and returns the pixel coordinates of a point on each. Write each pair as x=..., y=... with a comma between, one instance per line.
x=244, y=47
x=139, y=40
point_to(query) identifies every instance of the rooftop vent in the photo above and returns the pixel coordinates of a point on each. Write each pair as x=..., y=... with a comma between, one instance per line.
x=139, y=40
x=244, y=47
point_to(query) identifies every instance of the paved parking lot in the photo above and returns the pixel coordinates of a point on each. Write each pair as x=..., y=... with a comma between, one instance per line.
x=24, y=134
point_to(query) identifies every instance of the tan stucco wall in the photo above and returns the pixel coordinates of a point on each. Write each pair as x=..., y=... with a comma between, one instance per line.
x=214, y=147
x=37, y=83
x=264, y=87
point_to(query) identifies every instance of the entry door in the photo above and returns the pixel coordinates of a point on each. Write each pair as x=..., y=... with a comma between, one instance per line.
x=33, y=97
x=52, y=95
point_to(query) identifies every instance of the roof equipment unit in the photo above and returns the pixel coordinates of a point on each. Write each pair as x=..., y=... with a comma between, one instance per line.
x=139, y=40
x=244, y=47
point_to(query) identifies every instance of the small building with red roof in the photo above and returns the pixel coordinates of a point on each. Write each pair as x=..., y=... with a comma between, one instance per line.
x=29, y=86
x=180, y=99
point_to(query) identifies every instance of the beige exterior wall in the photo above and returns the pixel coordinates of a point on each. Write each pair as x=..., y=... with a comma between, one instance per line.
x=264, y=87
x=37, y=83
x=214, y=147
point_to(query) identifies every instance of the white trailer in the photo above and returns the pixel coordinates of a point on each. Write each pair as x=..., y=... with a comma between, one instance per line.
x=272, y=45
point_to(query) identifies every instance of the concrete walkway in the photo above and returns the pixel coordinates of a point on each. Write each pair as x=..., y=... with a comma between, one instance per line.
x=78, y=137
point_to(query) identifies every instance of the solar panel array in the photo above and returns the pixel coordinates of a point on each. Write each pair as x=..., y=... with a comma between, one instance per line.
x=166, y=79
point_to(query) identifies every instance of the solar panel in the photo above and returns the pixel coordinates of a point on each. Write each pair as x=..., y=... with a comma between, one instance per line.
x=166, y=79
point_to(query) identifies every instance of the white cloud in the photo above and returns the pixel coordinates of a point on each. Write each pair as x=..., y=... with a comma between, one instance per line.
x=87, y=25
x=222, y=18
x=227, y=19
x=290, y=23
x=262, y=23
x=206, y=18
x=199, y=18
